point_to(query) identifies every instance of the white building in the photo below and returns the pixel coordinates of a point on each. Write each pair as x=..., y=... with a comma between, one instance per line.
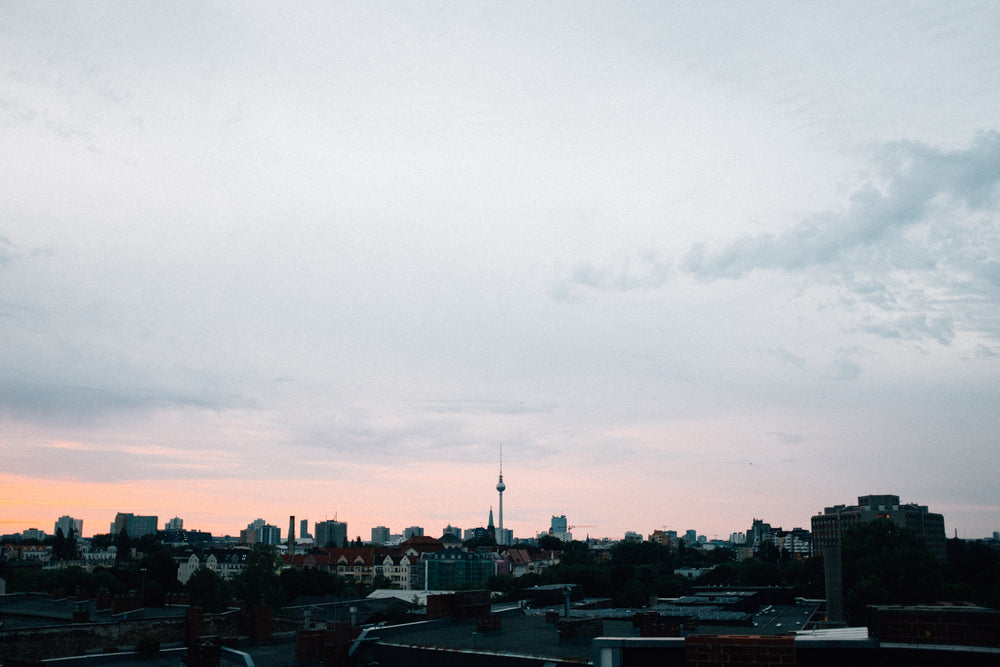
x=67, y=524
x=225, y=563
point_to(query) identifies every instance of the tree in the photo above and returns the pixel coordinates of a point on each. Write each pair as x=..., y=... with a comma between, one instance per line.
x=259, y=581
x=72, y=551
x=124, y=546
x=633, y=594
x=767, y=552
x=973, y=573
x=59, y=544
x=159, y=575
x=205, y=589
x=550, y=543
x=102, y=540
x=486, y=540
x=886, y=564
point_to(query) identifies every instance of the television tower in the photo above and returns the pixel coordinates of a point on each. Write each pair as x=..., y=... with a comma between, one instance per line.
x=500, y=488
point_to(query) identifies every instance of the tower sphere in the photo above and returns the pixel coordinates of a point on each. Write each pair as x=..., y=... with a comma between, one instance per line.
x=501, y=486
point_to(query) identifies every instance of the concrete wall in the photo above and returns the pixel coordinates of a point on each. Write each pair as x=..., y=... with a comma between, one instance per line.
x=954, y=626
x=757, y=650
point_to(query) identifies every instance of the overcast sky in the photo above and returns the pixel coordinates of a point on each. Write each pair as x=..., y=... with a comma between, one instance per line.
x=690, y=263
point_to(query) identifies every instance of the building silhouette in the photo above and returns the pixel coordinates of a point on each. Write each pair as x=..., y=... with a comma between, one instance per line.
x=380, y=534
x=68, y=525
x=828, y=529
x=134, y=525
x=331, y=532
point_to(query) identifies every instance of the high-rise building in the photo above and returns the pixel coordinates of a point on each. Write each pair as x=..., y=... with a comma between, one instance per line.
x=304, y=530
x=175, y=524
x=560, y=528
x=380, y=534
x=251, y=534
x=413, y=531
x=831, y=524
x=68, y=525
x=331, y=532
x=268, y=534
x=657, y=536
x=829, y=527
x=260, y=532
x=134, y=525
x=453, y=530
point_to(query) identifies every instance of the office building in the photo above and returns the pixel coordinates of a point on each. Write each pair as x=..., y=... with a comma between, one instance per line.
x=331, y=533
x=268, y=534
x=829, y=527
x=69, y=526
x=134, y=525
x=380, y=535
x=831, y=524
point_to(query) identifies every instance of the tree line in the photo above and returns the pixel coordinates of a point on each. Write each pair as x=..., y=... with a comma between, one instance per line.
x=882, y=564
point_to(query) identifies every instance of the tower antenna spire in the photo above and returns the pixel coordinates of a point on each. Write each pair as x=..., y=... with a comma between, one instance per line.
x=500, y=489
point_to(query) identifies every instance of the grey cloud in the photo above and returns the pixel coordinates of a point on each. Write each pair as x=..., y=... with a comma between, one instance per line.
x=8, y=253
x=643, y=270
x=915, y=327
x=913, y=178
x=845, y=369
x=841, y=368
x=788, y=438
x=495, y=406
x=73, y=403
x=986, y=352
x=789, y=358
x=914, y=251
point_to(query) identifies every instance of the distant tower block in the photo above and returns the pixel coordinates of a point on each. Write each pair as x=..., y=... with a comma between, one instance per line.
x=500, y=488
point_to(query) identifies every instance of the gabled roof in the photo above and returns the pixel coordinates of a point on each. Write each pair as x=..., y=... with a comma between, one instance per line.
x=519, y=556
x=450, y=539
x=422, y=544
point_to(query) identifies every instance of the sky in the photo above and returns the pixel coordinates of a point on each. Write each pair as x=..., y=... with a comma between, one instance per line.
x=686, y=264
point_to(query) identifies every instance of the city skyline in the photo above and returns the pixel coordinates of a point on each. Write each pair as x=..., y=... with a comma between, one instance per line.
x=562, y=519
x=690, y=264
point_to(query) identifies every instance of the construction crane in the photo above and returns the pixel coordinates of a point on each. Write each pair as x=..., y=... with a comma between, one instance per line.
x=582, y=525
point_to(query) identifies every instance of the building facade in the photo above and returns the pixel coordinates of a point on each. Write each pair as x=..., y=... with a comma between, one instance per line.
x=134, y=525
x=829, y=526
x=453, y=569
x=331, y=532
x=68, y=525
